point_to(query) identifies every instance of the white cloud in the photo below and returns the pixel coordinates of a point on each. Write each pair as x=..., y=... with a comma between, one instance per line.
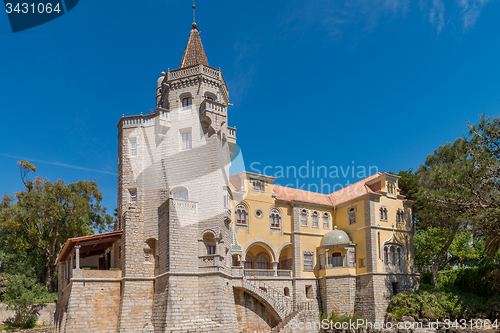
x=470, y=11
x=436, y=15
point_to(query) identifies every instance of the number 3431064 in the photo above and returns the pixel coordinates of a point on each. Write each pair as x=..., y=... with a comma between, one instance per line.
x=33, y=8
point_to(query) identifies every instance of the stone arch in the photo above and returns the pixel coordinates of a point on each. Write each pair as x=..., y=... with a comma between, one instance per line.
x=266, y=244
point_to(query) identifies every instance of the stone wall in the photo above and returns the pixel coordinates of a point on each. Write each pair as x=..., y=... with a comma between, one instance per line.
x=92, y=306
x=46, y=313
x=339, y=294
x=374, y=292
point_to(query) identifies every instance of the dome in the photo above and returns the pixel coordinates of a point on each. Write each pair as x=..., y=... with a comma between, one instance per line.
x=335, y=237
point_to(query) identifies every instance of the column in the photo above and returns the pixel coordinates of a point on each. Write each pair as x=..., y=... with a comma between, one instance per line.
x=275, y=267
x=77, y=247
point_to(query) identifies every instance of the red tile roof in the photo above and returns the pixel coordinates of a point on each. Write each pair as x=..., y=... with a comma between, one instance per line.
x=90, y=245
x=194, y=53
x=336, y=198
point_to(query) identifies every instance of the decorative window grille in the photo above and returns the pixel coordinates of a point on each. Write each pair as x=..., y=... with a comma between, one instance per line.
x=303, y=218
x=308, y=261
x=326, y=221
x=315, y=220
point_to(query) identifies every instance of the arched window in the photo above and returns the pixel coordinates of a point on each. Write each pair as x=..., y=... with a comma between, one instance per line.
x=286, y=291
x=303, y=218
x=180, y=193
x=186, y=103
x=262, y=262
x=241, y=214
x=386, y=256
x=248, y=262
x=398, y=256
x=392, y=259
x=391, y=188
x=275, y=218
x=383, y=213
x=315, y=219
x=400, y=216
x=209, y=240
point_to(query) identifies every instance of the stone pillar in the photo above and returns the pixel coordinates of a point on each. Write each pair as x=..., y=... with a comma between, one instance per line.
x=77, y=247
x=275, y=267
x=71, y=266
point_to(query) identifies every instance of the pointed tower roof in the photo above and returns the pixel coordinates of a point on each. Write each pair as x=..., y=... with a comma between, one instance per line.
x=194, y=53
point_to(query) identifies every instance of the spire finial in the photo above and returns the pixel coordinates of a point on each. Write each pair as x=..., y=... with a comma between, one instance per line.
x=194, y=17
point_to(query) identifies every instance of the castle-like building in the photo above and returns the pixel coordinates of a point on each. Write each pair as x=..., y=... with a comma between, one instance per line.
x=195, y=249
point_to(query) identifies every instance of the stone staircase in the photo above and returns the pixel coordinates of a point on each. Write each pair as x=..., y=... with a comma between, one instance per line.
x=280, y=303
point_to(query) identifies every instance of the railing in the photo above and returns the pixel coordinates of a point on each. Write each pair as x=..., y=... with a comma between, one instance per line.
x=192, y=71
x=183, y=204
x=285, y=272
x=209, y=260
x=209, y=105
x=286, y=264
x=334, y=262
x=132, y=121
x=231, y=132
x=302, y=306
x=285, y=301
x=259, y=272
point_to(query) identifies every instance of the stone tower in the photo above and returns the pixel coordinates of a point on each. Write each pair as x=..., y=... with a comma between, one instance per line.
x=174, y=204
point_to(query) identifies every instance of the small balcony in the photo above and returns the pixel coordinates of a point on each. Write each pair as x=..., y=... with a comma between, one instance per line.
x=264, y=273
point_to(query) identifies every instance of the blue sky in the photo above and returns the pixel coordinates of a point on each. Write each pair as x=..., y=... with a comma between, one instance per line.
x=340, y=83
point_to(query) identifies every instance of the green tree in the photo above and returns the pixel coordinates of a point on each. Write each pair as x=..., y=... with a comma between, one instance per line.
x=46, y=214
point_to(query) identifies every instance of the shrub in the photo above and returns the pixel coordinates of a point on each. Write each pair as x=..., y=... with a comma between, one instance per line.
x=22, y=295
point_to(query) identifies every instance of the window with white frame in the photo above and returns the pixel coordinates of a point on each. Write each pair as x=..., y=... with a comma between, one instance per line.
x=326, y=221
x=308, y=261
x=391, y=188
x=180, y=193
x=186, y=103
x=383, y=213
x=133, y=147
x=186, y=140
x=303, y=218
x=362, y=262
x=315, y=219
x=241, y=214
x=275, y=218
x=351, y=211
x=133, y=195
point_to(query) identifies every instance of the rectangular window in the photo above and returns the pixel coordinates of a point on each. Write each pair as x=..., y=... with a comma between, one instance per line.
x=186, y=140
x=210, y=250
x=303, y=219
x=352, y=215
x=258, y=186
x=147, y=256
x=133, y=147
x=326, y=222
x=133, y=195
x=308, y=262
x=309, y=292
x=119, y=252
x=362, y=262
x=186, y=103
x=315, y=221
